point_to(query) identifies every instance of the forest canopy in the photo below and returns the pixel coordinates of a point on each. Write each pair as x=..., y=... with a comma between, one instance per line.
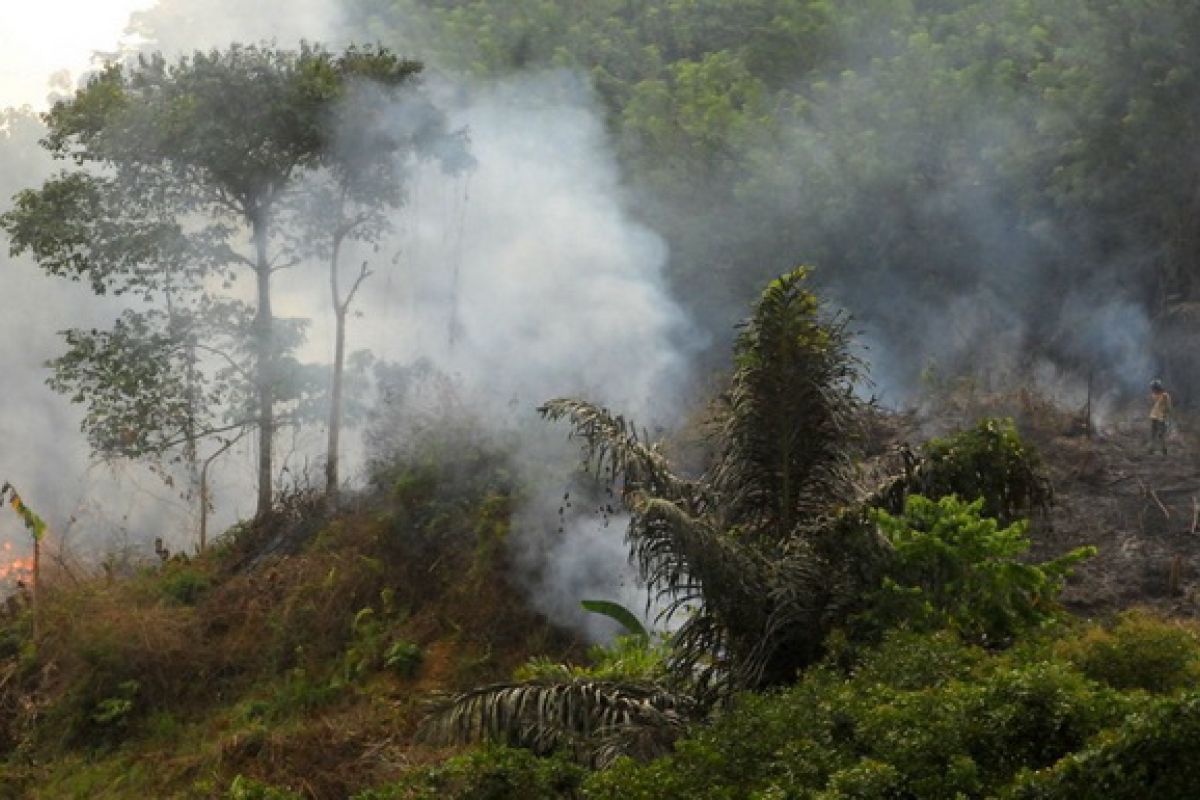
x=1020, y=172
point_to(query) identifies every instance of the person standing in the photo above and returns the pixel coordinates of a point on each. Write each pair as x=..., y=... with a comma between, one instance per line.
x=1160, y=415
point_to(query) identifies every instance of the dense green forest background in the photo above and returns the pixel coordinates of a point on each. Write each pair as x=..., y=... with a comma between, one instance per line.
x=981, y=183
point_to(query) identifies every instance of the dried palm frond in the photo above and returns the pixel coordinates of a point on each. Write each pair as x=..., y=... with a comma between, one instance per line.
x=597, y=721
x=613, y=451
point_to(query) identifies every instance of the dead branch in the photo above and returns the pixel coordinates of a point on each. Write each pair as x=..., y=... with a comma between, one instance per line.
x=1154, y=495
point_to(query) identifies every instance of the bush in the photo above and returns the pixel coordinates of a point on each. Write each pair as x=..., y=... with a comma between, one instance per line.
x=628, y=659
x=112, y=659
x=988, y=462
x=922, y=715
x=243, y=788
x=955, y=568
x=909, y=660
x=297, y=693
x=1141, y=651
x=1151, y=754
x=403, y=658
x=183, y=584
x=493, y=773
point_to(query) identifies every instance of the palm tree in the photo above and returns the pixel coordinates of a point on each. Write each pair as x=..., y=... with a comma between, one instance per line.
x=746, y=548
x=763, y=555
x=750, y=551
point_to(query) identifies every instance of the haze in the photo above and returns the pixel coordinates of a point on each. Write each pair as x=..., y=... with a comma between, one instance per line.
x=46, y=37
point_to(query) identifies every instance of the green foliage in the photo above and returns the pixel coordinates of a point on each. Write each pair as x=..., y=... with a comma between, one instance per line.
x=628, y=659
x=403, y=658
x=1021, y=150
x=183, y=584
x=295, y=694
x=737, y=548
x=493, y=773
x=914, y=661
x=375, y=645
x=953, y=567
x=1150, y=754
x=922, y=715
x=619, y=614
x=1141, y=651
x=115, y=711
x=990, y=462
x=243, y=788
x=224, y=140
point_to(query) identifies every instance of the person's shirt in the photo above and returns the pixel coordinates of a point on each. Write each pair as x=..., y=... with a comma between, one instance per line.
x=1162, y=406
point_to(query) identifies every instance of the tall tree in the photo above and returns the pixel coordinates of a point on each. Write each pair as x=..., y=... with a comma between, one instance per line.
x=179, y=172
x=387, y=126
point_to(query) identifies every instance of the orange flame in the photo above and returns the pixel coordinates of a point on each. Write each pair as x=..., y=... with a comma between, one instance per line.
x=12, y=569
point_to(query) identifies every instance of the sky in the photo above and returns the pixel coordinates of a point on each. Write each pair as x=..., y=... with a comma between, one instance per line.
x=39, y=38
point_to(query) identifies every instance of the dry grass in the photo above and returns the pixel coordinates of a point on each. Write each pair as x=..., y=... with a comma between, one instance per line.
x=251, y=664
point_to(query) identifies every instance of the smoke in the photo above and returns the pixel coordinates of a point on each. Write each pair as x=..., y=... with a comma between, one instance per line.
x=526, y=279
x=531, y=277
x=179, y=27
x=42, y=452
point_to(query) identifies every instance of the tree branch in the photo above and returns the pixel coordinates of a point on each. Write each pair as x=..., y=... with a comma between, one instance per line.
x=205, y=433
x=363, y=274
x=227, y=358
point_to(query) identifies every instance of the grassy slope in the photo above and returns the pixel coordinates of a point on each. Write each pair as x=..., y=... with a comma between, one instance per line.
x=310, y=670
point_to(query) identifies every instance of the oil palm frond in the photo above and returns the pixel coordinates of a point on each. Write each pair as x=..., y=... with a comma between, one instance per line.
x=597, y=721
x=789, y=421
x=685, y=559
x=615, y=452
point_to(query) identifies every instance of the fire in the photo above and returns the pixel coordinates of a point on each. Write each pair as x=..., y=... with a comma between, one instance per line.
x=14, y=569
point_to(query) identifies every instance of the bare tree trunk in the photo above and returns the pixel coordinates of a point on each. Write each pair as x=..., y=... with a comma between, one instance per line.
x=204, y=507
x=341, y=309
x=335, y=410
x=265, y=374
x=339, y=360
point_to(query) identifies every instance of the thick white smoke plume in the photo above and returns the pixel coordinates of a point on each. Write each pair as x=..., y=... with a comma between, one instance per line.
x=527, y=280
x=523, y=280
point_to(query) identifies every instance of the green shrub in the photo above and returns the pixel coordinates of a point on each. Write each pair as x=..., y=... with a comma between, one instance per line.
x=955, y=568
x=910, y=660
x=403, y=657
x=1152, y=754
x=374, y=645
x=492, y=773
x=921, y=716
x=183, y=584
x=987, y=462
x=298, y=692
x=1141, y=651
x=243, y=788
x=630, y=659
x=1029, y=715
x=114, y=712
